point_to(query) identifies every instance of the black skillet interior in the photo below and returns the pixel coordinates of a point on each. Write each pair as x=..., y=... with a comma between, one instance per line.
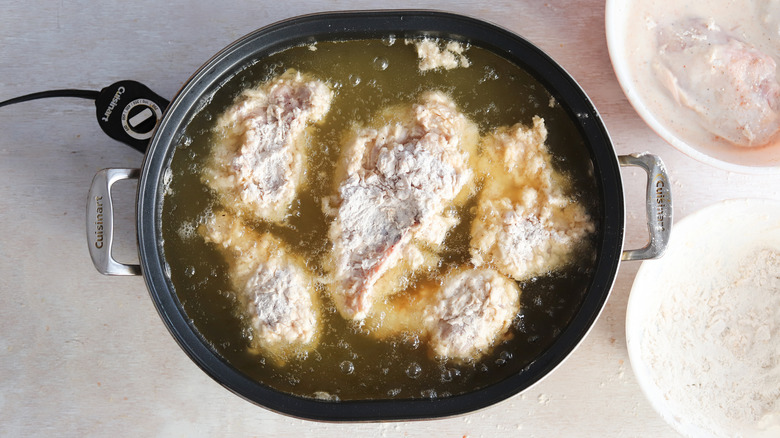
x=365, y=25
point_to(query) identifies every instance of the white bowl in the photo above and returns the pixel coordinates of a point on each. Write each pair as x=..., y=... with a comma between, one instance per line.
x=661, y=113
x=702, y=248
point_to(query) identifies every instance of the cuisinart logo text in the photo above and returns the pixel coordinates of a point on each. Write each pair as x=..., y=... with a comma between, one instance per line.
x=660, y=200
x=112, y=105
x=98, y=222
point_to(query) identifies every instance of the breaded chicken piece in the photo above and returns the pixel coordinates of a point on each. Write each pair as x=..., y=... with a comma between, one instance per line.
x=274, y=287
x=396, y=183
x=524, y=224
x=440, y=54
x=460, y=318
x=732, y=86
x=258, y=159
x=473, y=309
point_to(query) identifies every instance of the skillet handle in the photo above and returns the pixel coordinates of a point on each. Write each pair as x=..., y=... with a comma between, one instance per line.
x=100, y=222
x=659, y=205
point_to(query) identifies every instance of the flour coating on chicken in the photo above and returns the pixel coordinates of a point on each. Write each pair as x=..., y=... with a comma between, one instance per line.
x=525, y=225
x=460, y=318
x=397, y=184
x=732, y=86
x=259, y=155
x=473, y=309
x=274, y=288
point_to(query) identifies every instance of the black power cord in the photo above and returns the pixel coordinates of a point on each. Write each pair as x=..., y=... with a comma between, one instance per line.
x=127, y=111
x=83, y=94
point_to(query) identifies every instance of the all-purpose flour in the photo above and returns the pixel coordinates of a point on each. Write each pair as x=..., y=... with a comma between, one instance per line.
x=714, y=346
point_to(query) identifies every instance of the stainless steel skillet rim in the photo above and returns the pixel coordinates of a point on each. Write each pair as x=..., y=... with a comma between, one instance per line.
x=344, y=25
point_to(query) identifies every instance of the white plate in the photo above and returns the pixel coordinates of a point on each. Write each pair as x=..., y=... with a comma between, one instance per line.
x=701, y=247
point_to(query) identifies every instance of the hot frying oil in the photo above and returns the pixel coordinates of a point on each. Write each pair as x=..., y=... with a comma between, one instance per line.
x=367, y=76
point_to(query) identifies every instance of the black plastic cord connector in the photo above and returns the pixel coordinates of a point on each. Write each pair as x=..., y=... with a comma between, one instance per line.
x=127, y=111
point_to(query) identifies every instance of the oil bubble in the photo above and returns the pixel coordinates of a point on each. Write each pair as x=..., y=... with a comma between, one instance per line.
x=380, y=64
x=389, y=40
x=187, y=231
x=347, y=367
x=394, y=392
x=428, y=393
x=354, y=80
x=414, y=341
x=490, y=74
x=414, y=370
x=520, y=323
x=448, y=374
x=189, y=271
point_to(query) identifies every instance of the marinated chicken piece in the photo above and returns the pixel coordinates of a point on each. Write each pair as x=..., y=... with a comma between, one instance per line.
x=524, y=224
x=769, y=13
x=274, y=288
x=732, y=86
x=395, y=189
x=257, y=165
x=460, y=318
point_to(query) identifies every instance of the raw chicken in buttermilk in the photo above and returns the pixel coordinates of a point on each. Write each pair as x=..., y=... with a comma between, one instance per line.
x=769, y=16
x=396, y=186
x=275, y=290
x=461, y=317
x=257, y=165
x=524, y=224
x=732, y=86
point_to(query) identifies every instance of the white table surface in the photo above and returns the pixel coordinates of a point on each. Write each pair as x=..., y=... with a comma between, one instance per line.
x=86, y=355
